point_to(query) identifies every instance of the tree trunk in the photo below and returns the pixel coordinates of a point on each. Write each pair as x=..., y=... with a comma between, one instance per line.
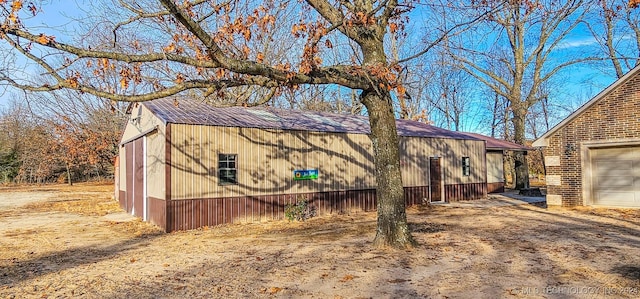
x=392, y=229
x=69, y=175
x=507, y=165
x=520, y=158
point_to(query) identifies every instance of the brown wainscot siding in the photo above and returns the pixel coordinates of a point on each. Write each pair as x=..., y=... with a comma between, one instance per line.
x=416, y=195
x=459, y=192
x=195, y=213
x=157, y=211
x=122, y=199
x=495, y=187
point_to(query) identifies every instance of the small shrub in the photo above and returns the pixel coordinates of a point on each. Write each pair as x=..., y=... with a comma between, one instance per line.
x=300, y=211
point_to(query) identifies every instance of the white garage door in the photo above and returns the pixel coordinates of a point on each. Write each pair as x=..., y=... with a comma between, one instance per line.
x=616, y=176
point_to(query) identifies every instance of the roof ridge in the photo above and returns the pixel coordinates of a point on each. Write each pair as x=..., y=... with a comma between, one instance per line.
x=184, y=112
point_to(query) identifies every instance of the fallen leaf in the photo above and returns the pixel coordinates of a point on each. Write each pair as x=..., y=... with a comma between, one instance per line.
x=274, y=290
x=398, y=280
x=347, y=277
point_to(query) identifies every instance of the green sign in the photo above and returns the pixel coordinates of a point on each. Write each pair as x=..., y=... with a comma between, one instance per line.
x=307, y=174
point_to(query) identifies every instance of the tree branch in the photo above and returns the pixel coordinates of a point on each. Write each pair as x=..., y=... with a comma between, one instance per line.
x=447, y=34
x=326, y=76
x=335, y=16
x=119, y=56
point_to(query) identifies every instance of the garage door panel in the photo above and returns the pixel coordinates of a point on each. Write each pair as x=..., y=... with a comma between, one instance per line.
x=629, y=153
x=609, y=182
x=616, y=176
x=613, y=167
x=615, y=196
x=617, y=199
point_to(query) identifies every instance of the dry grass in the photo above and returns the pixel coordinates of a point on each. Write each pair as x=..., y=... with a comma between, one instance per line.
x=98, y=187
x=136, y=228
x=325, y=228
x=493, y=252
x=607, y=212
x=83, y=204
x=87, y=199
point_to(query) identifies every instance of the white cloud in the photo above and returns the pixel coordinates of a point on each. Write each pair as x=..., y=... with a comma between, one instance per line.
x=588, y=41
x=577, y=43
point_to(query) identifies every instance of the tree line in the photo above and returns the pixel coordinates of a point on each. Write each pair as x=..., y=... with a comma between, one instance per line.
x=45, y=139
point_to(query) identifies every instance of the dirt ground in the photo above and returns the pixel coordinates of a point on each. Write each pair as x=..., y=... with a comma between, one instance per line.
x=59, y=241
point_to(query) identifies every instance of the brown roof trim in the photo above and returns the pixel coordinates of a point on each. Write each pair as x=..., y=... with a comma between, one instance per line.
x=498, y=144
x=542, y=141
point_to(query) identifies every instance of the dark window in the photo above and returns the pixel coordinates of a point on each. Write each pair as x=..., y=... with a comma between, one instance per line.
x=227, y=169
x=466, y=166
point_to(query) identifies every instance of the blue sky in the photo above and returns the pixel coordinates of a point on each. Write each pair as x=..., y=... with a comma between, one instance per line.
x=55, y=14
x=584, y=80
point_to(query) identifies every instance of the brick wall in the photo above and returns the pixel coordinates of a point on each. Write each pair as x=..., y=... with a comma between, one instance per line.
x=616, y=116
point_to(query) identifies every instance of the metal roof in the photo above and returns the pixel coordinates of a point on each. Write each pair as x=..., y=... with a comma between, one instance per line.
x=185, y=111
x=498, y=144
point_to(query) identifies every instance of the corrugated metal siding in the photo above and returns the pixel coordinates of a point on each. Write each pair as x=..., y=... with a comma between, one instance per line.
x=156, y=165
x=129, y=150
x=144, y=122
x=266, y=161
x=138, y=177
x=416, y=195
x=157, y=211
x=495, y=166
x=194, y=213
x=495, y=187
x=141, y=120
x=459, y=192
x=415, y=160
x=122, y=159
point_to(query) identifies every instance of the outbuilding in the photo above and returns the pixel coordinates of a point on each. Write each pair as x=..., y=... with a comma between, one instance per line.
x=592, y=157
x=186, y=164
x=496, y=151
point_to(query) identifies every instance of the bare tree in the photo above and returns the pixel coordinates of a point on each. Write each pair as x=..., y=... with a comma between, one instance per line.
x=47, y=135
x=521, y=40
x=614, y=26
x=440, y=94
x=450, y=94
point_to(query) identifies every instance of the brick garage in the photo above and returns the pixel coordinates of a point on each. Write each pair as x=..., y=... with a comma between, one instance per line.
x=593, y=156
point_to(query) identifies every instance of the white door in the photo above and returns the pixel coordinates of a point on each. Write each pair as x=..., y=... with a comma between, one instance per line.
x=616, y=176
